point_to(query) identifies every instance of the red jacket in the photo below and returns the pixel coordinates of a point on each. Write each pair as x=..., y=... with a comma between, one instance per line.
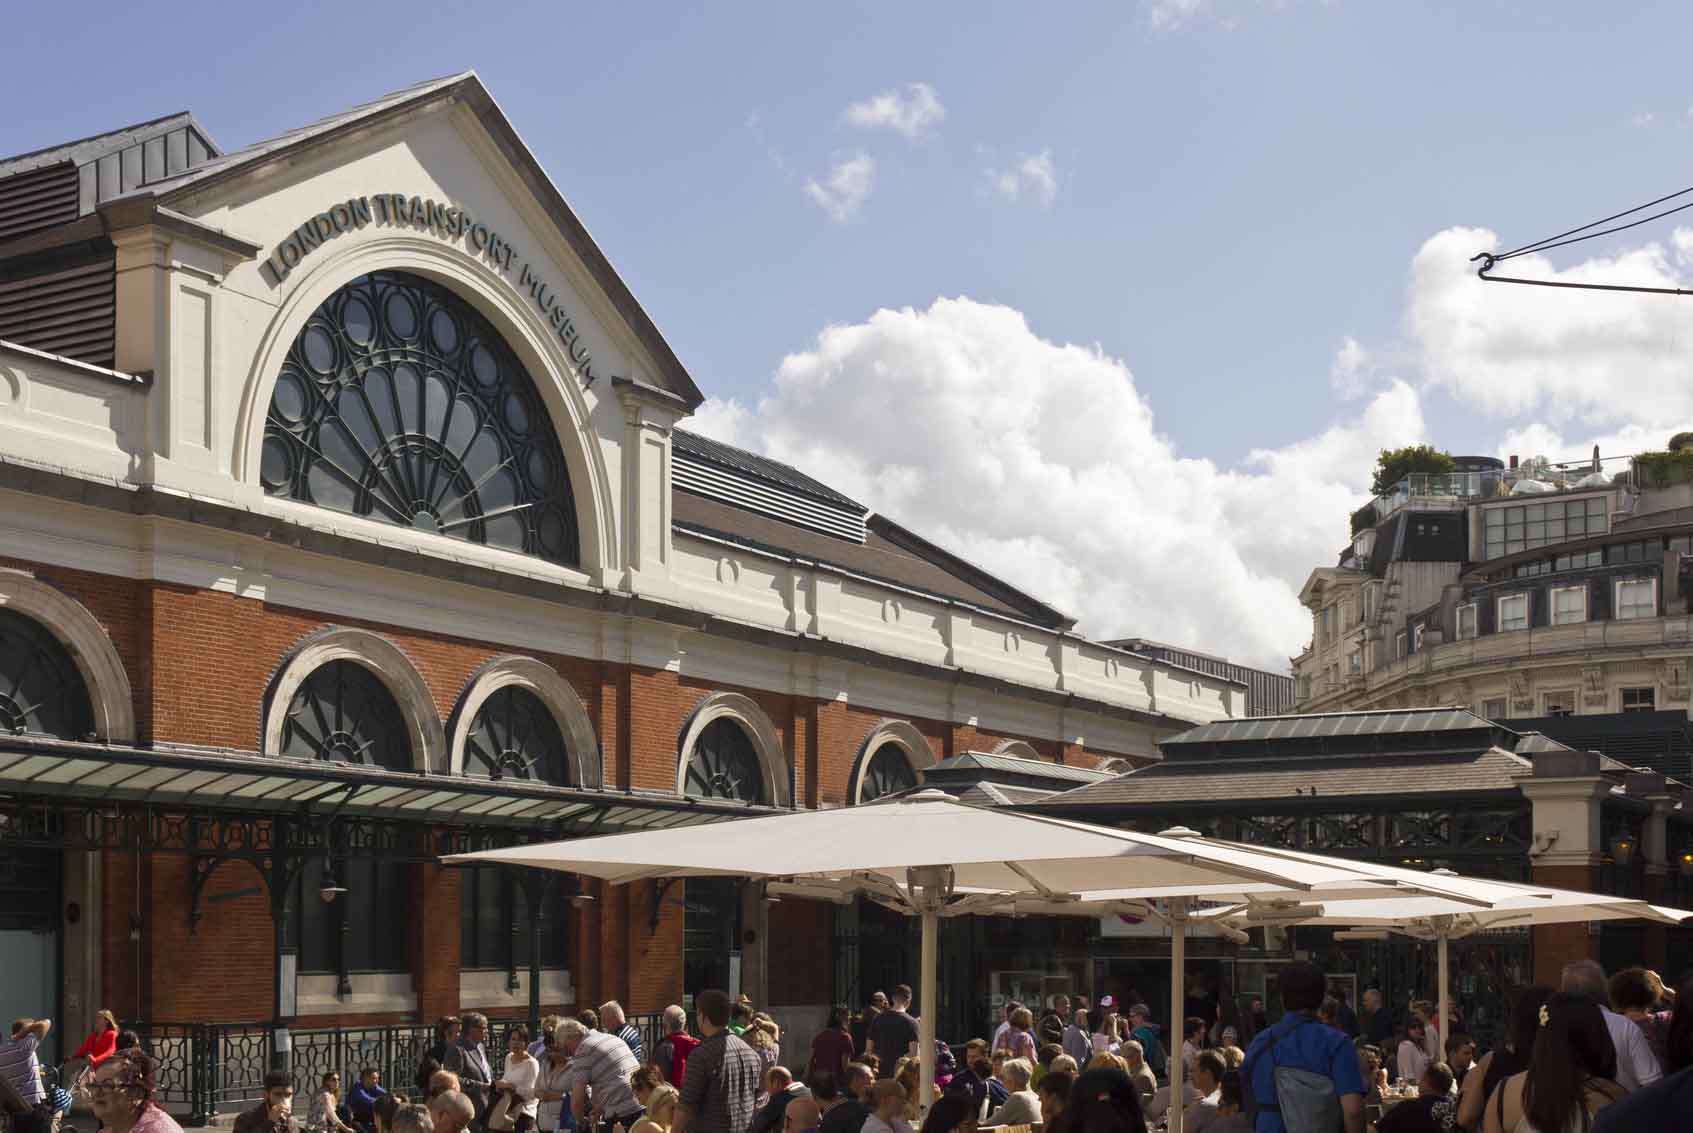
x=674, y=1051
x=98, y=1046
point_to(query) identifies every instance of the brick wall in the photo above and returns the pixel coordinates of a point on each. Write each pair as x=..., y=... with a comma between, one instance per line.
x=199, y=664
x=1557, y=945
x=802, y=949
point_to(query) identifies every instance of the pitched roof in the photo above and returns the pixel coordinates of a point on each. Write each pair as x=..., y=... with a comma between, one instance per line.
x=1237, y=781
x=83, y=150
x=875, y=558
x=760, y=467
x=1331, y=725
x=1017, y=765
x=465, y=87
x=1002, y=794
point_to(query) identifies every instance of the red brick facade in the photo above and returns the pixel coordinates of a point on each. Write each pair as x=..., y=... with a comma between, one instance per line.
x=200, y=663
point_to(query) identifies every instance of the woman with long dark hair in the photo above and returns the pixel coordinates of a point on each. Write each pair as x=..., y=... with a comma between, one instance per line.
x=1512, y=1058
x=1571, y=1073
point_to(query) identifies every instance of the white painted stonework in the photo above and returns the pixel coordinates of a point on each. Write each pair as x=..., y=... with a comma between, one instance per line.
x=211, y=329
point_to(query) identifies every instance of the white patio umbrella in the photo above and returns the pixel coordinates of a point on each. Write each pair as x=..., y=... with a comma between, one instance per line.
x=924, y=851
x=1442, y=920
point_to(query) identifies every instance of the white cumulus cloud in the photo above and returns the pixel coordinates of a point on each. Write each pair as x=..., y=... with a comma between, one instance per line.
x=846, y=188
x=912, y=112
x=1594, y=357
x=1042, y=462
x=1032, y=174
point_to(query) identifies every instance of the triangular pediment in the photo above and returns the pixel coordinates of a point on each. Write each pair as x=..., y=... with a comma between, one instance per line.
x=439, y=158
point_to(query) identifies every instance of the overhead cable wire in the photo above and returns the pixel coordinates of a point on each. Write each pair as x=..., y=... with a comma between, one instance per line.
x=1489, y=260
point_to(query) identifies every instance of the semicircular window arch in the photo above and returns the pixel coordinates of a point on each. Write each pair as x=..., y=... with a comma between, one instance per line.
x=724, y=764
x=343, y=713
x=398, y=401
x=42, y=691
x=515, y=736
x=888, y=773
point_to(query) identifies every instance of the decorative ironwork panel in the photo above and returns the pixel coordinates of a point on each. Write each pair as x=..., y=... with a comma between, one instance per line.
x=344, y=713
x=41, y=690
x=1497, y=831
x=1327, y=833
x=1270, y=830
x=888, y=773
x=724, y=764
x=398, y=401
x=1411, y=830
x=514, y=734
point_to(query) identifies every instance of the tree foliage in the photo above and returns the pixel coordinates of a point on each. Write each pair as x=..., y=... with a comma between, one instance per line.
x=1394, y=464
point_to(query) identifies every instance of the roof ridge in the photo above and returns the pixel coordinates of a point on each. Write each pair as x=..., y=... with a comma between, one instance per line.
x=27, y=154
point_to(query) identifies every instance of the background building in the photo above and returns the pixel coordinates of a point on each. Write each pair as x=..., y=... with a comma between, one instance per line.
x=1426, y=788
x=1521, y=592
x=1267, y=693
x=345, y=521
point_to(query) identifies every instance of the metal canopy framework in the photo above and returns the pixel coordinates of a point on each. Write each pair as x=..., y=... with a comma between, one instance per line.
x=189, y=777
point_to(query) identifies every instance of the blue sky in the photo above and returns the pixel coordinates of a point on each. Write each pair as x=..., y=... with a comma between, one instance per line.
x=1218, y=194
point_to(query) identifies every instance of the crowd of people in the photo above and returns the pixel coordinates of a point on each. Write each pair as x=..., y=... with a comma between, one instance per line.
x=1595, y=1055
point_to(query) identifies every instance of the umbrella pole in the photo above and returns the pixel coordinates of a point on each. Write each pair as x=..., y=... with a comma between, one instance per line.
x=1178, y=1005
x=1442, y=939
x=926, y=1020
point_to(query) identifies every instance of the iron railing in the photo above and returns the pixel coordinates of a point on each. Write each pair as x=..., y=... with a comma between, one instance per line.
x=211, y=1068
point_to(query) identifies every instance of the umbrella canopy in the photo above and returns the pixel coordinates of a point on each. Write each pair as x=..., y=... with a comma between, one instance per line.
x=1443, y=920
x=927, y=851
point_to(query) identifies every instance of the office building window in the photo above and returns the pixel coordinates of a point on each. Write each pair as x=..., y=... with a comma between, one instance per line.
x=1639, y=699
x=1495, y=708
x=1399, y=646
x=1513, y=612
x=1560, y=703
x=1569, y=605
x=1512, y=528
x=1467, y=621
x=1417, y=639
x=1637, y=598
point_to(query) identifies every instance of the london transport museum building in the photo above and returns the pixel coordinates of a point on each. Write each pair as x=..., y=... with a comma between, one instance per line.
x=346, y=521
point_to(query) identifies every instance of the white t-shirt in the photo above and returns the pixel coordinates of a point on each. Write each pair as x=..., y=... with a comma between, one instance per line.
x=522, y=1073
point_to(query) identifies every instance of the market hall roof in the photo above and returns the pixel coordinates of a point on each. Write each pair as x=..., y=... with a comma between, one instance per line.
x=466, y=89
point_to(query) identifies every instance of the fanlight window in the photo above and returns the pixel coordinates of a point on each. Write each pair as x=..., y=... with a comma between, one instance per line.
x=888, y=773
x=41, y=689
x=724, y=764
x=399, y=402
x=344, y=713
x=515, y=736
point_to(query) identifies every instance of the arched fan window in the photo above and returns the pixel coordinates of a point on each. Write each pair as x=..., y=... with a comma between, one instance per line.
x=344, y=713
x=724, y=764
x=515, y=736
x=888, y=773
x=399, y=402
x=41, y=689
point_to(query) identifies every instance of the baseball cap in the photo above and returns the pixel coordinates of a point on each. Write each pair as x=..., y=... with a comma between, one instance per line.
x=1107, y=1001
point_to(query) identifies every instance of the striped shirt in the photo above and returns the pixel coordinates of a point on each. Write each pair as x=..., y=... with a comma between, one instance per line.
x=21, y=1068
x=633, y=1037
x=603, y=1063
x=721, y=1084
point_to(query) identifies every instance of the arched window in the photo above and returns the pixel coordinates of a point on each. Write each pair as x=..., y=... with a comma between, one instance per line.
x=888, y=772
x=514, y=735
x=724, y=764
x=41, y=689
x=399, y=402
x=343, y=712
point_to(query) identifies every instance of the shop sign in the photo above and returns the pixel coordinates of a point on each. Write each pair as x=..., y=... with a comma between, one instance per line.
x=450, y=223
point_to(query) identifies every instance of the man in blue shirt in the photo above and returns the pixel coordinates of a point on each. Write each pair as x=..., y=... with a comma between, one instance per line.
x=1298, y=1041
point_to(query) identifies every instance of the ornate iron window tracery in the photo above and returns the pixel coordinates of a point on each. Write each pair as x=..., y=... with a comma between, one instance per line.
x=344, y=713
x=399, y=402
x=724, y=764
x=888, y=772
x=41, y=689
x=514, y=734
